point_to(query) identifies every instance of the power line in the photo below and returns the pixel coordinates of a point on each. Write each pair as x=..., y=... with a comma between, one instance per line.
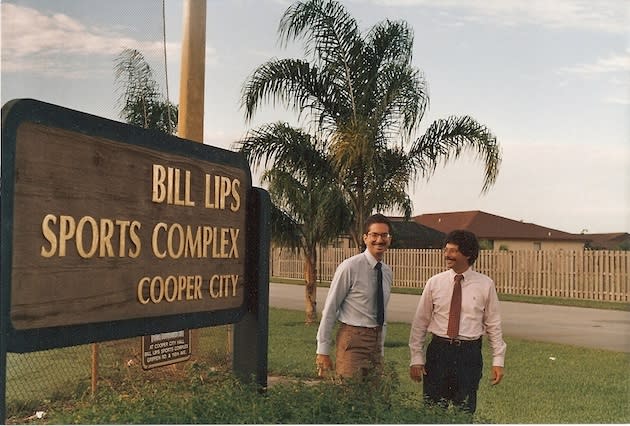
x=168, y=99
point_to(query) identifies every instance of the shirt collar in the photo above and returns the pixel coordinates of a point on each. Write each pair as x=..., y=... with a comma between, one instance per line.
x=466, y=273
x=371, y=259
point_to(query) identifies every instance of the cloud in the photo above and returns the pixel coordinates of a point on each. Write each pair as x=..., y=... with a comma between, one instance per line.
x=617, y=100
x=609, y=16
x=613, y=63
x=615, y=69
x=27, y=31
x=56, y=44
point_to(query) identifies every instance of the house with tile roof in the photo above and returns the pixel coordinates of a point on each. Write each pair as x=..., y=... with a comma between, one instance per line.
x=410, y=234
x=610, y=241
x=406, y=234
x=500, y=233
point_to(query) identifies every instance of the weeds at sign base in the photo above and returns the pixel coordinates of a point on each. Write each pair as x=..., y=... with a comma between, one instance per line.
x=208, y=395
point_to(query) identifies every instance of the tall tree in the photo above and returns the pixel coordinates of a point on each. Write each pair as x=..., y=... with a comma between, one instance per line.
x=308, y=208
x=140, y=99
x=361, y=95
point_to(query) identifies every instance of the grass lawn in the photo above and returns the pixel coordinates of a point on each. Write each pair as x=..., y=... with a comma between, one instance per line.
x=544, y=383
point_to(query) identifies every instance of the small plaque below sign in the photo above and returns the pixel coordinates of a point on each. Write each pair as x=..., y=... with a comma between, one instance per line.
x=165, y=348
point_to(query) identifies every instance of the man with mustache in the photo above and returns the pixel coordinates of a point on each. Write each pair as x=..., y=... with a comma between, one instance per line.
x=457, y=307
x=356, y=299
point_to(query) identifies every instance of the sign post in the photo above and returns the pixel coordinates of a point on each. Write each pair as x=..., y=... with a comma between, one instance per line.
x=111, y=231
x=251, y=335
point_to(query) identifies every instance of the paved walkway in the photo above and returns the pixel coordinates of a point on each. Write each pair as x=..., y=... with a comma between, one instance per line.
x=592, y=328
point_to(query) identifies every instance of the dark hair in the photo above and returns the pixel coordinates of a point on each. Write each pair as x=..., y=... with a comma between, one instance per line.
x=466, y=242
x=376, y=218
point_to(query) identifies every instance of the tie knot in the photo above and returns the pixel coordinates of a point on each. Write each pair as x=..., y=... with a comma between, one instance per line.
x=378, y=266
x=459, y=278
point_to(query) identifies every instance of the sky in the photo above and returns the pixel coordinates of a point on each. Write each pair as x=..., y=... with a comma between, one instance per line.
x=550, y=79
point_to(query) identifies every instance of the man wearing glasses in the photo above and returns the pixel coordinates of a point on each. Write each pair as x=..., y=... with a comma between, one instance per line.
x=357, y=297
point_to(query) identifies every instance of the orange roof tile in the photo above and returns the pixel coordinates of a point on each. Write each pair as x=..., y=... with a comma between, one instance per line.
x=492, y=227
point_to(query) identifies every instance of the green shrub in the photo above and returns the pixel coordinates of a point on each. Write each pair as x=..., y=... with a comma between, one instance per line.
x=217, y=397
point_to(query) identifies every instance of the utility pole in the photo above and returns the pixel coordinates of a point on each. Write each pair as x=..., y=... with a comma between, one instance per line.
x=192, y=84
x=193, y=71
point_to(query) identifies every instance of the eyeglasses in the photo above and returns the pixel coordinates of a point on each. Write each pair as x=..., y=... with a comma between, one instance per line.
x=375, y=235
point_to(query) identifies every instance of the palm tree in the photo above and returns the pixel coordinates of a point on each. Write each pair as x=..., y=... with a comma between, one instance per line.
x=140, y=99
x=363, y=98
x=308, y=208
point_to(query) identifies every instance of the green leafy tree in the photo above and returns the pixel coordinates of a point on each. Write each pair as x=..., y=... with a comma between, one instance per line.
x=308, y=208
x=362, y=97
x=141, y=102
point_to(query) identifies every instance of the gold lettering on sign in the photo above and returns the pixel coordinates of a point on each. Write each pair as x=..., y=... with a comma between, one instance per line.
x=177, y=241
x=169, y=186
x=169, y=289
x=220, y=286
x=90, y=237
x=221, y=188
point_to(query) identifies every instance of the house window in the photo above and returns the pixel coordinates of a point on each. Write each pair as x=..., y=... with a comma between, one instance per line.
x=486, y=244
x=537, y=245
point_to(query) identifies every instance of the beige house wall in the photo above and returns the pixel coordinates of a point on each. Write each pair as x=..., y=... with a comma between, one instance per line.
x=538, y=245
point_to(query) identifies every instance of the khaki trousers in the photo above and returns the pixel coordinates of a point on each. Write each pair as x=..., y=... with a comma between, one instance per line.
x=358, y=350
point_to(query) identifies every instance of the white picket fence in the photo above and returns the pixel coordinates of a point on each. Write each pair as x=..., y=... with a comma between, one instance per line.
x=593, y=275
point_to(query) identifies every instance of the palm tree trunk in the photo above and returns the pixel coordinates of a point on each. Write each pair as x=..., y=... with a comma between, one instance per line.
x=360, y=217
x=310, y=293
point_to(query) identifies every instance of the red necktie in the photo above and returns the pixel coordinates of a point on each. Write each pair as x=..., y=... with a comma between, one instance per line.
x=456, y=308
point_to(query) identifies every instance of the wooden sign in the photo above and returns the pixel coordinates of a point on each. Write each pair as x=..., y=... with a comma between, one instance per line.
x=105, y=222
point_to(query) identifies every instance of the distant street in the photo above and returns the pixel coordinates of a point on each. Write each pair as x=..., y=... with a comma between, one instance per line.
x=592, y=328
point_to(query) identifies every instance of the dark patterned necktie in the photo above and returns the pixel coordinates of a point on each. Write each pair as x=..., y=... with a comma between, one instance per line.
x=380, y=304
x=456, y=308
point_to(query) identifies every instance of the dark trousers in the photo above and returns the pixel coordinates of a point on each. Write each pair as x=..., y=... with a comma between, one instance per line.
x=453, y=373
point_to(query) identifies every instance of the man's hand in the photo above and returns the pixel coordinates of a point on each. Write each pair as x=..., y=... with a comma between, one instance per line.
x=416, y=372
x=497, y=374
x=324, y=364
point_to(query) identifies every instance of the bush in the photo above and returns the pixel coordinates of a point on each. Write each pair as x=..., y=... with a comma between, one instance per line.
x=208, y=396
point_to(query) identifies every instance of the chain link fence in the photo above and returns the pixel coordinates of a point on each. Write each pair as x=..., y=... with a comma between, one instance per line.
x=36, y=379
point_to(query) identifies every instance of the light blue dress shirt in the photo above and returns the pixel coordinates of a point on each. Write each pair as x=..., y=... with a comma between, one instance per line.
x=352, y=298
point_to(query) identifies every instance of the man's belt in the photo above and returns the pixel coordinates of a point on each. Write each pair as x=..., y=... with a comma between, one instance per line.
x=455, y=342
